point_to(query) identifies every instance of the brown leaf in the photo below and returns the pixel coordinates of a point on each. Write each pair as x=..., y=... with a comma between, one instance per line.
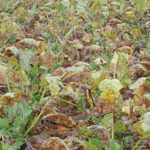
x=52, y=28
x=59, y=71
x=61, y=119
x=77, y=44
x=47, y=58
x=11, y=98
x=114, y=21
x=94, y=48
x=54, y=143
x=139, y=93
x=32, y=43
x=136, y=71
x=2, y=79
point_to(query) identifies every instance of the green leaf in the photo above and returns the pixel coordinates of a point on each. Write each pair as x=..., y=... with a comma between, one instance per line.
x=4, y=146
x=119, y=127
x=107, y=121
x=128, y=139
x=16, y=119
x=114, y=145
x=15, y=146
x=23, y=114
x=93, y=144
x=4, y=123
x=141, y=5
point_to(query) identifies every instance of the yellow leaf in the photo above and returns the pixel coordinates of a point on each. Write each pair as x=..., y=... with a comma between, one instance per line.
x=87, y=38
x=126, y=49
x=136, y=32
x=41, y=46
x=127, y=105
x=129, y=15
x=37, y=26
x=110, y=95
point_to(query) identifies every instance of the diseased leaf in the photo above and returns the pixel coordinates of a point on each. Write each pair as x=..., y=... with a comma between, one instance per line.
x=147, y=96
x=75, y=69
x=54, y=82
x=110, y=83
x=3, y=67
x=126, y=49
x=110, y=90
x=29, y=41
x=129, y=15
x=26, y=59
x=4, y=27
x=47, y=59
x=138, y=83
x=145, y=120
x=114, y=60
x=66, y=3
x=127, y=106
x=98, y=76
x=119, y=67
x=13, y=50
x=87, y=38
x=74, y=64
x=9, y=94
